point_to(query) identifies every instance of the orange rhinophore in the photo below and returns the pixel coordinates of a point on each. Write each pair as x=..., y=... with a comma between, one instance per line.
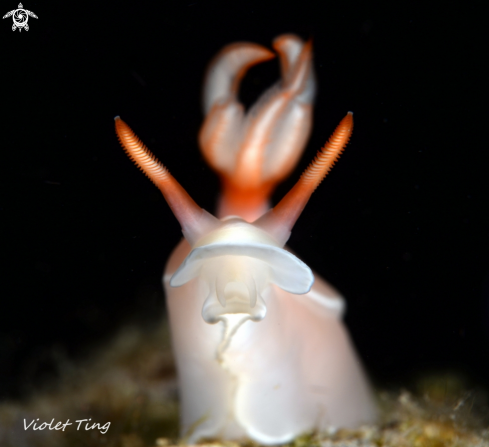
x=282, y=217
x=260, y=347
x=193, y=219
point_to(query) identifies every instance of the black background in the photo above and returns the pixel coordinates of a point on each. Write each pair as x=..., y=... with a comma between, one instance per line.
x=400, y=226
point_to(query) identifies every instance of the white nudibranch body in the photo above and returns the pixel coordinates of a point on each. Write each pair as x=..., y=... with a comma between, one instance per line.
x=260, y=354
x=260, y=348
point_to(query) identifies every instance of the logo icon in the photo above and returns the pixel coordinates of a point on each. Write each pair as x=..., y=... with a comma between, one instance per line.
x=20, y=17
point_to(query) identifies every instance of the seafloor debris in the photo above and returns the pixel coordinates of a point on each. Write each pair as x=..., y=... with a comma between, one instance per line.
x=131, y=384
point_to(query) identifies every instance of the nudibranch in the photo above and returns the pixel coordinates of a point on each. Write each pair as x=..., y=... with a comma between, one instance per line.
x=260, y=348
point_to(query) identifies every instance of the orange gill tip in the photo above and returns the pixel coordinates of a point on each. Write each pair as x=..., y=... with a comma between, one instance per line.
x=279, y=220
x=295, y=60
x=195, y=222
x=291, y=46
x=298, y=76
x=287, y=46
